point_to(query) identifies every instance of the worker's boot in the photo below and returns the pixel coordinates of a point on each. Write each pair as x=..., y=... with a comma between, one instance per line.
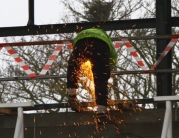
x=72, y=100
x=102, y=118
x=102, y=115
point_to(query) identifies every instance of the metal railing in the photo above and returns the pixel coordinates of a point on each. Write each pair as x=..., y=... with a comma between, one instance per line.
x=19, y=129
x=112, y=73
x=70, y=40
x=167, y=124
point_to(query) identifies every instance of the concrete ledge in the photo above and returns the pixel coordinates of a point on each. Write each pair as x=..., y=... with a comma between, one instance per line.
x=128, y=123
x=166, y=98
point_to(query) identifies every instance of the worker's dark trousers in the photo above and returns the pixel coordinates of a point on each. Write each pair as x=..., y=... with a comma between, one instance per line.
x=97, y=52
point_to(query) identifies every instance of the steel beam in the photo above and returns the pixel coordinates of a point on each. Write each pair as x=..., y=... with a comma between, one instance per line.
x=31, y=13
x=112, y=73
x=70, y=40
x=163, y=27
x=74, y=27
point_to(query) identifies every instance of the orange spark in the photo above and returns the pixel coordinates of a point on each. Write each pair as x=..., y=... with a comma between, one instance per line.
x=40, y=132
x=86, y=71
x=77, y=27
x=140, y=109
x=133, y=25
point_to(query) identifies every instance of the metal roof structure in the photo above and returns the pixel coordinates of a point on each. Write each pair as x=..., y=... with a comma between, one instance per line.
x=163, y=24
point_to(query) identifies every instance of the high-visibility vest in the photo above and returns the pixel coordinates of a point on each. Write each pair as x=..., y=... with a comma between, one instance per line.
x=100, y=34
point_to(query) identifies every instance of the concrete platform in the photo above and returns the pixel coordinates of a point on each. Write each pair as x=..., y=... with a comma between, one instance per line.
x=134, y=123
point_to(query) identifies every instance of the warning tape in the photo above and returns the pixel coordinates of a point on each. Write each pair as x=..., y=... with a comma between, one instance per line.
x=68, y=44
x=118, y=44
x=20, y=62
x=46, y=66
x=51, y=60
x=134, y=54
x=165, y=52
x=58, y=49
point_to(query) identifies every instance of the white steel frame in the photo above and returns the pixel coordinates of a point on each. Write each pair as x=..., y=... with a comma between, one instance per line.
x=19, y=129
x=167, y=124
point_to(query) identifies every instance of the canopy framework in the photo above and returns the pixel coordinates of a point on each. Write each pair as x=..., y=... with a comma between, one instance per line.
x=68, y=43
x=70, y=40
x=163, y=24
x=112, y=73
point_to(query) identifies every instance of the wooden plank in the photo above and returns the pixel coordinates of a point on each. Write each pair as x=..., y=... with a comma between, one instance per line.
x=6, y=111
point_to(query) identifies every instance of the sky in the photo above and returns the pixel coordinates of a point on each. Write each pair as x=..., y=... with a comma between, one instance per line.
x=15, y=12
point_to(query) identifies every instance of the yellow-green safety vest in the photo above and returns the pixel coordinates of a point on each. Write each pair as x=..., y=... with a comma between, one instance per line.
x=102, y=35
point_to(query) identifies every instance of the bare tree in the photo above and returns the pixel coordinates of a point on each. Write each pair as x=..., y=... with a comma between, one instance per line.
x=38, y=91
x=101, y=10
x=120, y=87
x=131, y=86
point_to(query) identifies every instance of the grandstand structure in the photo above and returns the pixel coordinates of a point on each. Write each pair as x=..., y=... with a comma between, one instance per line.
x=139, y=123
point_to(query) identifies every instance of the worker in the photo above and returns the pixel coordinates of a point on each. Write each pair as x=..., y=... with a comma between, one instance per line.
x=96, y=46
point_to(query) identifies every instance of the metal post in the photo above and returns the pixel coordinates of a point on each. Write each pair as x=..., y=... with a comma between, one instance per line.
x=31, y=13
x=19, y=130
x=169, y=106
x=163, y=27
x=167, y=125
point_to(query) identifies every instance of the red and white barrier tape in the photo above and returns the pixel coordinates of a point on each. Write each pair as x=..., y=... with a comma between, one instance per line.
x=165, y=52
x=47, y=65
x=134, y=54
x=68, y=44
x=20, y=62
x=51, y=60
x=118, y=44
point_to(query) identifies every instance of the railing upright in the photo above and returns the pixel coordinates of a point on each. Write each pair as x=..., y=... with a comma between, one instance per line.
x=19, y=129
